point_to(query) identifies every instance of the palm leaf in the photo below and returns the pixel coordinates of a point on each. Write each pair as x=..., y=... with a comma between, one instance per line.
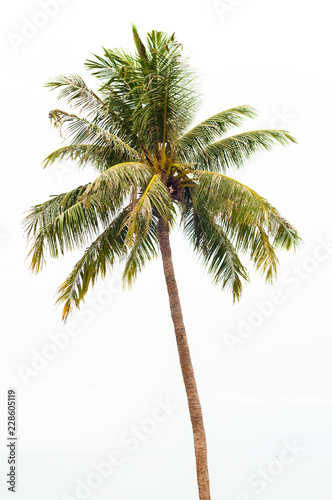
x=214, y=247
x=232, y=151
x=118, y=181
x=213, y=128
x=251, y=222
x=81, y=131
x=74, y=90
x=63, y=223
x=98, y=257
x=143, y=249
x=99, y=157
x=155, y=200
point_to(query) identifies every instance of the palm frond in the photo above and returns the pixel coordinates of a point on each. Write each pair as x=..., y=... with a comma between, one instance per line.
x=77, y=94
x=98, y=157
x=96, y=108
x=213, y=247
x=63, y=224
x=155, y=200
x=213, y=128
x=97, y=259
x=112, y=68
x=233, y=151
x=117, y=182
x=253, y=224
x=81, y=131
x=143, y=249
x=153, y=90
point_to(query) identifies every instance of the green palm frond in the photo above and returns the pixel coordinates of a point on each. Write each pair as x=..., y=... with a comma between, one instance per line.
x=112, y=68
x=254, y=226
x=285, y=235
x=96, y=108
x=81, y=131
x=232, y=151
x=213, y=128
x=73, y=89
x=143, y=249
x=155, y=200
x=153, y=90
x=98, y=157
x=63, y=224
x=213, y=246
x=97, y=259
x=117, y=182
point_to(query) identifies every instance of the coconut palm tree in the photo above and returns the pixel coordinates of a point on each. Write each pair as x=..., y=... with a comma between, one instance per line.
x=153, y=171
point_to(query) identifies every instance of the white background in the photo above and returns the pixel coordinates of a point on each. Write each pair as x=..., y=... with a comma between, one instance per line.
x=275, y=385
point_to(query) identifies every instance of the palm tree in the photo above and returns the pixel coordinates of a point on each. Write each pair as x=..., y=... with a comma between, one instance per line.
x=152, y=172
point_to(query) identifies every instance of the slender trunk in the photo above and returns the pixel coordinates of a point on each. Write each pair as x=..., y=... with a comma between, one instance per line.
x=195, y=409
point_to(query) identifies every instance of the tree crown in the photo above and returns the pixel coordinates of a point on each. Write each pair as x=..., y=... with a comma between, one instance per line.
x=134, y=131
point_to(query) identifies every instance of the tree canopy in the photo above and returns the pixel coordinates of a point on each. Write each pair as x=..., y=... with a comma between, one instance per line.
x=136, y=131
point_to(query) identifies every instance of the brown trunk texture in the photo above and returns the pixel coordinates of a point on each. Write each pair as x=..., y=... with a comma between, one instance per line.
x=194, y=404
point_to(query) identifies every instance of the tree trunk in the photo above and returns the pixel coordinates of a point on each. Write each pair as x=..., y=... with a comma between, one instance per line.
x=195, y=409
